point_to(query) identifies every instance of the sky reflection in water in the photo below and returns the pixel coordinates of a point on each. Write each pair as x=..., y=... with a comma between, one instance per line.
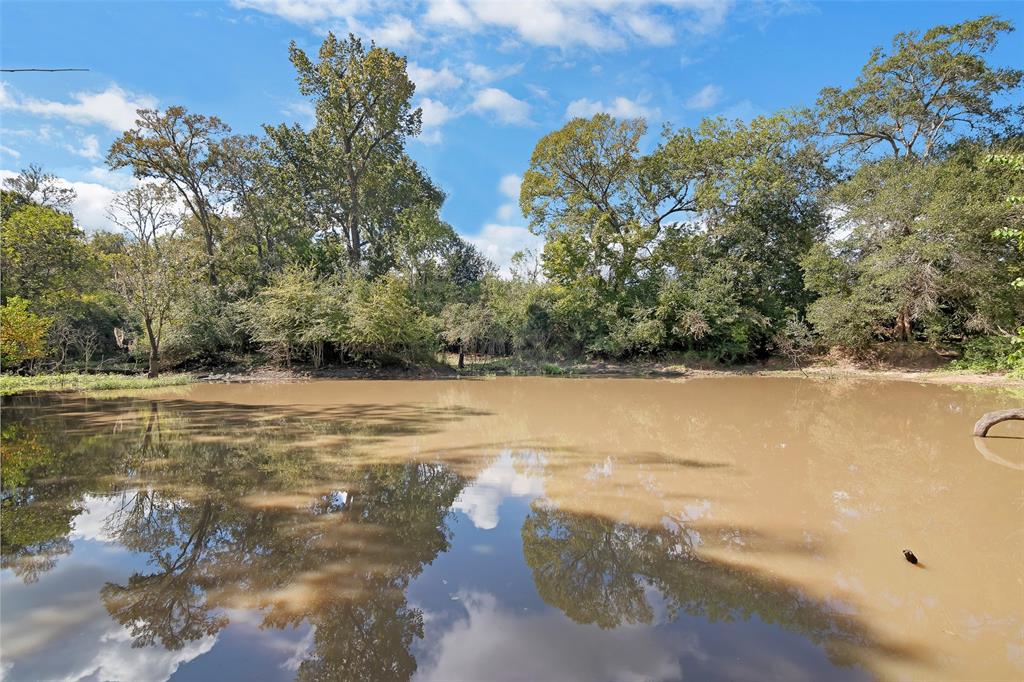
x=192, y=537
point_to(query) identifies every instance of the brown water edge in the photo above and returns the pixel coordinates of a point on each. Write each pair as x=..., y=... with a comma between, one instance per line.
x=787, y=500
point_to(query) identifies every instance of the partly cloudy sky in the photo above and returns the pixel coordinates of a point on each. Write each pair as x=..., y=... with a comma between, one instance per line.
x=492, y=75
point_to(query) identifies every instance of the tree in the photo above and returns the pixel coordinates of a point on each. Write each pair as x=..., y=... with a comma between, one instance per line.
x=1013, y=230
x=181, y=149
x=43, y=256
x=919, y=258
x=363, y=117
x=22, y=333
x=34, y=186
x=910, y=98
x=153, y=269
x=298, y=310
x=600, y=204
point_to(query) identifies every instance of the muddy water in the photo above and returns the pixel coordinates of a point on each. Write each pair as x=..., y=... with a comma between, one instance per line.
x=540, y=529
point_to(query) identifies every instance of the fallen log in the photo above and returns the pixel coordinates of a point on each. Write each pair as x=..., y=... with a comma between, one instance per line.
x=990, y=419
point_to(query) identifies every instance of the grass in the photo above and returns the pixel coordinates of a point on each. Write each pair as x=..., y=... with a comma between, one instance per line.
x=11, y=384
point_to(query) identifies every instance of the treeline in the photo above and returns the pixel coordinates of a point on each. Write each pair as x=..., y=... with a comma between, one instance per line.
x=890, y=211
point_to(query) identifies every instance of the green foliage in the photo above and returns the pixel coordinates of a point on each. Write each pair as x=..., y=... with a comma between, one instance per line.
x=919, y=253
x=44, y=256
x=908, y=100
x=22, y=333
x=729, y=240
x=298, y=312
x=993, y=354
x=71, y=381
x=383, y=326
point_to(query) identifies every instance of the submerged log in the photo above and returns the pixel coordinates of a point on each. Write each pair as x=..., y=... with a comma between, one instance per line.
x=990, y=419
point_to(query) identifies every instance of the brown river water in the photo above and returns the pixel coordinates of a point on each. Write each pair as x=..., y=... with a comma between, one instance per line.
x=734, y=528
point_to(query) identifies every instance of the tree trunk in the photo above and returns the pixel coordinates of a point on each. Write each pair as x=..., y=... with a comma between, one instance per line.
x=204, y=221
x=462, y=357
x=990, y=419
x=903, y=325
x=154, y=350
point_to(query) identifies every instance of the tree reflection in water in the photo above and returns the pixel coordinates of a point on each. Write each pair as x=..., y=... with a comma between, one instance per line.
x=598, y=571
x=340, y=561
x=274, y=509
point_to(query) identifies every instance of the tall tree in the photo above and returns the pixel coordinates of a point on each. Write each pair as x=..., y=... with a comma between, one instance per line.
x=909, y=98
x=364, y=115
x=181, y=149
x=151, y=272
x=601, y=204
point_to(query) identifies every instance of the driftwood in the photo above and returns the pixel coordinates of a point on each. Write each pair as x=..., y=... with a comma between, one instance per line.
x=990, y=419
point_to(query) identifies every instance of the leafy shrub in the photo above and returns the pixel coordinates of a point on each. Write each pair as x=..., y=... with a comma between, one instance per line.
x=22, y=333
x=994, y=354
x=383, y=326
x=298, y=312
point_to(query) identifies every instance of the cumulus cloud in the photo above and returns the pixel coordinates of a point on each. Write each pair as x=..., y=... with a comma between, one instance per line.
x=500, y=242
x=705, y=98
x=544, y=645
x=502, y=106
x=90, y=205
x=501, y=239
x=113, y=108
x=89, y=148
x=430, y=80
x=620, y=107
x=435, y=115
x=595, y=24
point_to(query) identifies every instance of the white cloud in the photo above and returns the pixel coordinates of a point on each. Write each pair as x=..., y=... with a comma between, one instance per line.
x=620, y=107
x=509, y=185
x=90, y=205
x=304, y=11
x=114, y=107
x=545, y=645
x=427, y=79
x=596, y=24
x=435, y=115
x=481, y=74
x=396, y=31
x=450, y=13
x=90, y=147
x=744, y=110
x=500, y=242
x=705, y=98
x=503, y=106
x=13, y=153
x=302, y=112
x=655, y=30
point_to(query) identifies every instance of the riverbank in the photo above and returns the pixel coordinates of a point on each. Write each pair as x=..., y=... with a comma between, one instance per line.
x=14, y=384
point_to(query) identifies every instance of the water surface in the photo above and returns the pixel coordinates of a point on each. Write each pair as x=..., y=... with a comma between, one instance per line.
x=515, y=528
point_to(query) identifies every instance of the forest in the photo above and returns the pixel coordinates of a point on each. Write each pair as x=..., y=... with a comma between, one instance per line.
x=890, y=212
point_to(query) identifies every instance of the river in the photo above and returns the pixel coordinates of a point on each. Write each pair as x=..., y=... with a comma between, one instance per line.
x=733, y=528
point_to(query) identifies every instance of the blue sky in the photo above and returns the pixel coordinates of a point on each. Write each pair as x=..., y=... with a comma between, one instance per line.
x=492, y=76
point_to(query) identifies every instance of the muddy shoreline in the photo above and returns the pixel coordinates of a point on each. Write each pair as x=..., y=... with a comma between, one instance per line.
x=653, y=370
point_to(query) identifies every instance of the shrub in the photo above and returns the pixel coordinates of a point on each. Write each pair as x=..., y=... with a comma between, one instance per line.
x=993, y=354
x=22, y=333
x=383, y=326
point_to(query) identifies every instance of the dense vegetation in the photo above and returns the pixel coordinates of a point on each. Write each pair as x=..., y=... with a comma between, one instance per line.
x=890, y=211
